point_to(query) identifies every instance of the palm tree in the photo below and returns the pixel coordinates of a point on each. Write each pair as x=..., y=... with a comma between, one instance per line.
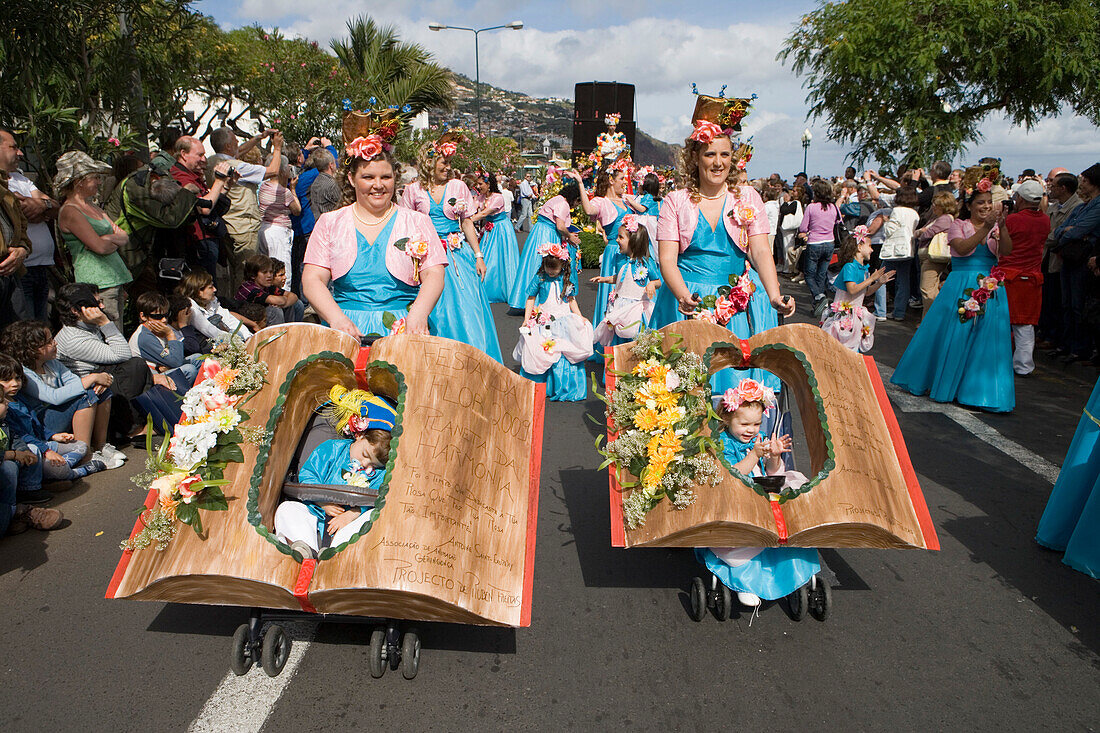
x=396, y=73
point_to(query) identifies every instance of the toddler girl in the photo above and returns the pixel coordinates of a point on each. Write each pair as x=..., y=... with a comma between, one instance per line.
x=357, y=460
x=846, y=319
x=756, y=572
x=207, y=315
x=630, y=304
x=555, y=339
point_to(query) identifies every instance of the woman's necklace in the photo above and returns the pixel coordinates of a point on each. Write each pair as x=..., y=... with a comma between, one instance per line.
x=364, y=222
x=714, y=197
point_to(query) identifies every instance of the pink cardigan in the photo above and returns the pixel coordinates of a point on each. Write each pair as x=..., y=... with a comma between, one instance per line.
x=679, y=217
x=333, y=244
x=494, y=204
x=556, y=210
x=415, y=197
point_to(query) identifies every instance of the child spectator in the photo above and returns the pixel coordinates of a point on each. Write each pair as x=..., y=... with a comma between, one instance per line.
x=259, y=287
x=897, y=248
x=195, y=345
x=62, y=401
x=295, y=310
x=158, y=343
x=17, y=463
x=253, y=314
x=208, y=316
x=56, y=455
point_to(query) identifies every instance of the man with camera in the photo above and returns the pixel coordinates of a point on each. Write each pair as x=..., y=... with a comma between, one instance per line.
x=202, y=236
x=242, y=219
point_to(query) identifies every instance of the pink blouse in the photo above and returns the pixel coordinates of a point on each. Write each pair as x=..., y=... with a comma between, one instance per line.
x=679, y=217
x=556, y=210
x=415, y=197
x=333, y=244
x=494, y=204
x=963, y=229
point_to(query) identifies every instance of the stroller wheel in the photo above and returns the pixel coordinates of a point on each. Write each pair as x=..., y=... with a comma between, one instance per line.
x=376, y=661
x=723, y=602
x=821, y=600
x=799, y=602
x=698, y=597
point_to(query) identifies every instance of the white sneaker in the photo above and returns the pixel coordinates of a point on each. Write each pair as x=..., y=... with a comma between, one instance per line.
x=109, y=451
x=109, y=462
x=748, y=599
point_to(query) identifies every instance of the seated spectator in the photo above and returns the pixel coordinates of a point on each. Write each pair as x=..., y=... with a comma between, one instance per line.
x=208, y=316
x=65, y=403
x=295, y=311
x=18, y=464
x=195, y=345
x=259, y=287
x=88, y=343
x=158, y=343
x=57, y=457
x=254, y=314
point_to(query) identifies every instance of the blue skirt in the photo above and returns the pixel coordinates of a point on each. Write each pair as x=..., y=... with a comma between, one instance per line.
x=1071, y=520
x=773, y=574
x=542, y=232
x=462, y=312
x=565, y=381
x=501, y=253
x=969, y=363
x=759, y=317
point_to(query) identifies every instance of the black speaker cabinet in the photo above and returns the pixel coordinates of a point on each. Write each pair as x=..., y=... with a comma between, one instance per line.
x=593, y=101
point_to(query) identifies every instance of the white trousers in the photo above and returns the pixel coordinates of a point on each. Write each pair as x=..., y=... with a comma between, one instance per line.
x=1024, y=339
x=294, y=521
x=276, y=242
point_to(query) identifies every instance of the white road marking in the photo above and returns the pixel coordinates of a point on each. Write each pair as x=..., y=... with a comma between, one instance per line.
x=970, y=423
x=242, y=704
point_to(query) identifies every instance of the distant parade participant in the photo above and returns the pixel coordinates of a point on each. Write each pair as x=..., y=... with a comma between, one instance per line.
x=498, y=240
x=463, y=312
x=552, y=225
x=356, y=247
x=713, y=229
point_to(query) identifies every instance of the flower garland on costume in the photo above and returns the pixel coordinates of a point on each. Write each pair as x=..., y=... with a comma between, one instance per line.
x=455, y=240
x=728, y=301
x=553, y=249
x=659, y=410
x=187, y=471
x=972, y=304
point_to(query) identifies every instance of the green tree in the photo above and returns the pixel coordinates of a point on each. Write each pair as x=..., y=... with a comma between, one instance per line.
x=912, y=80
x=394, y=73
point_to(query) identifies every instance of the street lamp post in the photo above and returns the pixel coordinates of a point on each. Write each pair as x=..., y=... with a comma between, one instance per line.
x=515, y=25
x=806, y=138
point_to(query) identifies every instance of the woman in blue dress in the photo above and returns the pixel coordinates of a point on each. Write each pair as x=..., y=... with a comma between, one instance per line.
x=385, y=264
x=463, y=312
x=967, y=361
x=552, y=224
x=711, y=230
x=1071, y=521
x=498, y=241
x=607, y=207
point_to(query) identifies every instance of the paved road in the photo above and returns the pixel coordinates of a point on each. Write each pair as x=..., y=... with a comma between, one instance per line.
x=990, y=633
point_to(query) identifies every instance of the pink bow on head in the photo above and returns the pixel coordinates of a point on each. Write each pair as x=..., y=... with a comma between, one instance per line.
x=630, y=221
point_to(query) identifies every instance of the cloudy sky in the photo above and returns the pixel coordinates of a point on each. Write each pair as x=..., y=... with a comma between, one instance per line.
x=659, y=46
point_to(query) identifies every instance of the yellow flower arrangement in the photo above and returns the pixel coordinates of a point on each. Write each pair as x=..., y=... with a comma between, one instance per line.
x=647, y=419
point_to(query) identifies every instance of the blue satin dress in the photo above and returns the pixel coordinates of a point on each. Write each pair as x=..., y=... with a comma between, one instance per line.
x=368, y=291
x=462, y=312
x=775, y=572
x=565, y=381
x=1071, y=520
x=613, y=261
x=542, y=232
x=706, y=266
x=501, y=252
x=326, y=465
x=969, y=363
x=652, y=205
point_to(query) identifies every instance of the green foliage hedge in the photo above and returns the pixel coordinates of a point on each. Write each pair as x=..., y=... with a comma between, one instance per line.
x=592, y=245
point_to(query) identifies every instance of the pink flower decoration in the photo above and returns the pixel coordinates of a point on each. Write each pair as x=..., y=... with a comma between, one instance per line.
x=114, y=141
x=364, y=147
x=860, y=233
x=705, y=132
x=985, y=185
x=447, y=149
x=399, y=326
x=553, y=249
x=630, y=221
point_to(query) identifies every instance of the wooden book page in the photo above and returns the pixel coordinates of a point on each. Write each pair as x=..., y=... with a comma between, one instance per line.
x=864, y=492
x=454, y=535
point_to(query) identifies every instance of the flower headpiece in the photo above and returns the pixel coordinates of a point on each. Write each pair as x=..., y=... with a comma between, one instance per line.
x=743, y=154
x=624, y=164
x=368, y=133
x=352, y=412
x=553, y=249
x=747, y=392
x=978, y=177
x=720, y=112
x=642, y=172
x=447, y=144
x=861, y=234
x=612, y=120
x=630, y=221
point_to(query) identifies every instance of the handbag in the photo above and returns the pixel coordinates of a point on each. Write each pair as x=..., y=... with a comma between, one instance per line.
x=172, y=268
x=839, y=230
x=938, y=250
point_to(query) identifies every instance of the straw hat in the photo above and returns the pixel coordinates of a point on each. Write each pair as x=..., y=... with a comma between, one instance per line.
x=74, y=165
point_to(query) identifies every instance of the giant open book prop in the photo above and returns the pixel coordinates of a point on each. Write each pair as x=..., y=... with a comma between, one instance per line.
x=862, y=489
x=454, y=537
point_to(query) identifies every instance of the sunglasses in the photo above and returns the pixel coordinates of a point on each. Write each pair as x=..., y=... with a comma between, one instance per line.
x=156, y=316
